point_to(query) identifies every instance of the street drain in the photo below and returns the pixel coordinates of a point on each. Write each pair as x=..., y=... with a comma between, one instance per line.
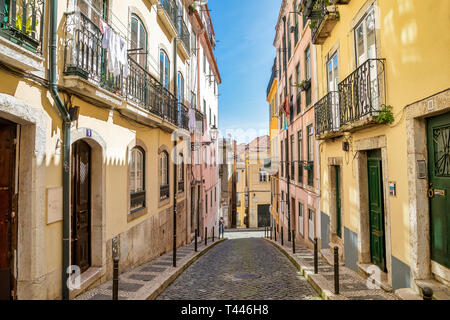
x=247, y=276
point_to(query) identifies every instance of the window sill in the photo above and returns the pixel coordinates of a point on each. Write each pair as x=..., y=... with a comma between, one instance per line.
x=164, y=202
x=135, y=215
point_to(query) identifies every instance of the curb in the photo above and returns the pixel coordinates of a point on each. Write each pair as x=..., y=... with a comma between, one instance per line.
x=324, y=294
x=177, y=273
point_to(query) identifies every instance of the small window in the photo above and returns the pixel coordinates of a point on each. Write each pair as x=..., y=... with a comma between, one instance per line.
x=301, y=227
x=164, y=175
x=137, y=179
x=311, y=224
x=164, y=69
x=138, y=41
x=181, y=173
x=180, y=87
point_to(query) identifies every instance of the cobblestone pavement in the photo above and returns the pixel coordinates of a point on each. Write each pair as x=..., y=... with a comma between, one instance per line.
x=241, y=269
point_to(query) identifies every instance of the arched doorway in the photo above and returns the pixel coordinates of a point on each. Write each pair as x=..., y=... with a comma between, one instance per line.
x=81, y=205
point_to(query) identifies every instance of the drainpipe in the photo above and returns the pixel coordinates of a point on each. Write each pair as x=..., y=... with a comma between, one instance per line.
x=175, y=156
x=53, y=86
x=288, y=166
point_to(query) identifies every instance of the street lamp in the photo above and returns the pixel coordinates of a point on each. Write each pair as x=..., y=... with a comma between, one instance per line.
x=214, y=133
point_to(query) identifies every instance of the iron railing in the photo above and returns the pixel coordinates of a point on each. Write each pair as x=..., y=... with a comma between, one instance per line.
x=327, y=113
x=199, y=122
x=319, y=14
x=362, y=93
x=183, y=116
x=184, y=34
x=84, y=55
x=171, y=9
x=22, y=22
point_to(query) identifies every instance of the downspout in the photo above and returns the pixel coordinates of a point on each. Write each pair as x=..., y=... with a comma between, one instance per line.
x=53, y=86
x=288, y=165
x=175, y=159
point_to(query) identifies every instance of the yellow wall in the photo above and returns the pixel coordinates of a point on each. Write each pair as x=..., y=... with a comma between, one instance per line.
x=413, y=42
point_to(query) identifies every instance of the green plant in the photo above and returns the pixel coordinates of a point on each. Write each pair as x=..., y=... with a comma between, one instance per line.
x=386, y=116
x=29, y=28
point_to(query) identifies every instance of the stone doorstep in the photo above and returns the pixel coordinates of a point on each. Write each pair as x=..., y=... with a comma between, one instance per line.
x=407, y=294
x=363, y=269
x=440, y=290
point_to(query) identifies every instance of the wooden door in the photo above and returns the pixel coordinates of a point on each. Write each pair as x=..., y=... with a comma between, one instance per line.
x=7, y=225
x=81, y=205
x=439, y=179
x=376, y=209
x=263, y=215
x=338, y=202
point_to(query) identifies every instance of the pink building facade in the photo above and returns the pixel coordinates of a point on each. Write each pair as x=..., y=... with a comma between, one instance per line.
x=299, y=158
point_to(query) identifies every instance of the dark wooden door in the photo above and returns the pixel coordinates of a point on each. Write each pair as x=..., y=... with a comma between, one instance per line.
x=439, y=179
x=338, y=202
x=7, y=225
x=376, y=209
x=263, y=215
x=81, y=204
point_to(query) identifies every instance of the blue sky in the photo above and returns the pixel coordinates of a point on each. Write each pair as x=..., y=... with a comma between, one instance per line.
x=245, y=30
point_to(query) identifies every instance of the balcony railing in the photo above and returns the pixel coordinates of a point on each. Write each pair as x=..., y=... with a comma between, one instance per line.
x=324, y=17
x=22, y=22
x=327, y=113
x=362, y=93
x=184, y=34
x=84, y=55
x=183, y=116
x=171, y=9
x=199, y=122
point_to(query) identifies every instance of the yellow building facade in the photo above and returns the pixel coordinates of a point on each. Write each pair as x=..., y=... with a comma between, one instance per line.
x=382, y=119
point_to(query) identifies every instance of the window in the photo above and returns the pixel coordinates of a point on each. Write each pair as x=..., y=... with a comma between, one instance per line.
x=215, y=194
x=211, y=202
x=138, y=41
x=204, y=107
x=206, y=158
x=194, y=43
x=300, y=155
x=164, y=69
x=164, y=175
x=333, y=73
x=206, y=203
x=180, y=170
x=289, y=39
x=292, y=158
x=137, y=179
x=282, y=159
x=308, y=74
x=262, y=176
x=237, y=176
x=310, y=155
x=180, y=87
x=210, y=115
x=311, y=224
x=365, y=39
x=301, y=227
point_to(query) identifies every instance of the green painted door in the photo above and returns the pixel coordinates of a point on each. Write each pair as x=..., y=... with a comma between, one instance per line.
x=338, y=202
x=376, y=209
x=439, y=179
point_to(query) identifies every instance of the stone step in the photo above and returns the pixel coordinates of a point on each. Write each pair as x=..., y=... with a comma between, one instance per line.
x=440, y=291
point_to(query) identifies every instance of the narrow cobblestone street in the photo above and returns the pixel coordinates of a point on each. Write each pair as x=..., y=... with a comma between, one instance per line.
x=241, y=269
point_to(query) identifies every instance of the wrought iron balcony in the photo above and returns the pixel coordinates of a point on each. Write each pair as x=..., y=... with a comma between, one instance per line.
x=84, y=55
x=183, y=116
x=327, y=113
x=199, y=122
x=362, y=93
x=171, y=9
x=22, y=22
x=324, y=17
x=184, y=34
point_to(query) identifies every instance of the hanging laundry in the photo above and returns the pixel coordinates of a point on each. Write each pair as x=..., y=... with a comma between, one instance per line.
x=123, y=57
x=106, y=36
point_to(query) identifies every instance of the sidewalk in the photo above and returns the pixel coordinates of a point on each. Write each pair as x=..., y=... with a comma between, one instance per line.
x=352, y=285
x=147, y=281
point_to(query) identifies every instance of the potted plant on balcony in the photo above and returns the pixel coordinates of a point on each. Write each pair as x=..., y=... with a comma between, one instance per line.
x=386, y=116
x=304, y=85
x=24, y=39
